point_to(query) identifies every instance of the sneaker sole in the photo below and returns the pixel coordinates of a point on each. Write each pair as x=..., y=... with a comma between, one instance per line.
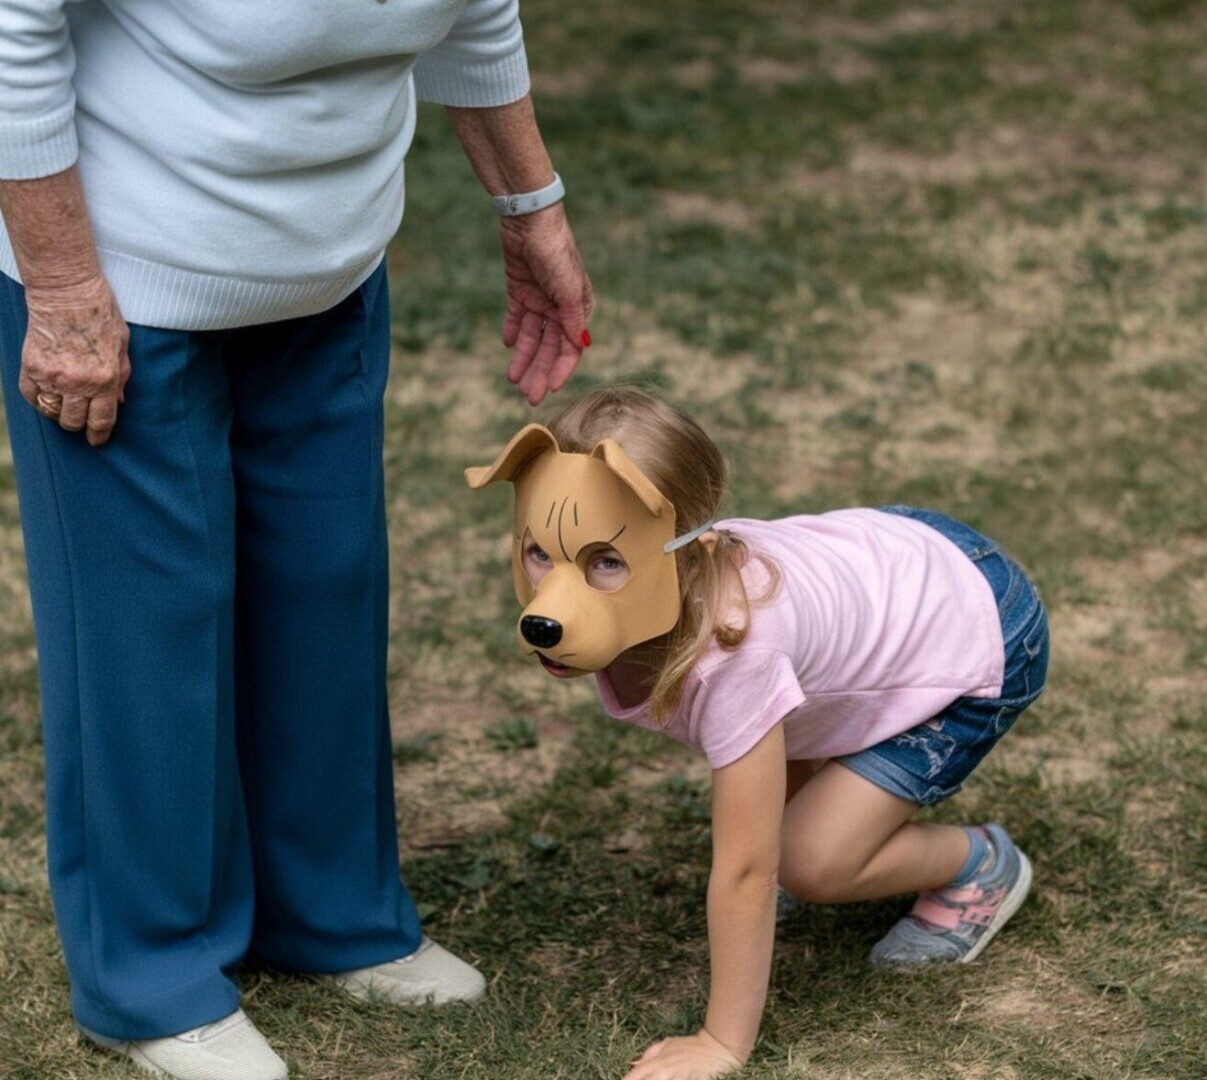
x=1011, y=904
x=126, y=1050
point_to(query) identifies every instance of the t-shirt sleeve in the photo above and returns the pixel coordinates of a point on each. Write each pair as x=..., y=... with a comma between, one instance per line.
x=732, y=704
x=481, y=63
x=37, y=103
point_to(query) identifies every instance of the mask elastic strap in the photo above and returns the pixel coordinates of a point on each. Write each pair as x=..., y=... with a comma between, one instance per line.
x=688, y=537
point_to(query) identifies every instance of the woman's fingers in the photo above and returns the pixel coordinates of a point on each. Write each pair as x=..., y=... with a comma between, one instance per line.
x=73, y=412
x=563, y=367
x=102, y=415
x=528, y=334
x=536, y=381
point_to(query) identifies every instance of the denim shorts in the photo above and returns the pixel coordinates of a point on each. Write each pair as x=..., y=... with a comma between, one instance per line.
x=929, y=762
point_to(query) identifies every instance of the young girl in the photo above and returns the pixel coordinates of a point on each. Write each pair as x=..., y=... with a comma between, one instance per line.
x=838, y=670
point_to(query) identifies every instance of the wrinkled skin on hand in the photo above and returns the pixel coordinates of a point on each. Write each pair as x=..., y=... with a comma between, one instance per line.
x=693, y=1057
x=76, y=350
x=549, y=301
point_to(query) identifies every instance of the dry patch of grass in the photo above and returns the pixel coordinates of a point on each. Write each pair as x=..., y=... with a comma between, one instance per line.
x=465, y=785
x=683, y=206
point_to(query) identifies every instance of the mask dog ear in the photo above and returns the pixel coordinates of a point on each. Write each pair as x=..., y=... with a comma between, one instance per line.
x=529, y=441
x=622, y=465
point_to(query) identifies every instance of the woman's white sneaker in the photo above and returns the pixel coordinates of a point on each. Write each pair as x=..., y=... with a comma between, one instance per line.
x=230, y=1049
x=431, y=975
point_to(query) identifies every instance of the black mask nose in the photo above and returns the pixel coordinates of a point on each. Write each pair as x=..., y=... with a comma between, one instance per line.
x=541, y=632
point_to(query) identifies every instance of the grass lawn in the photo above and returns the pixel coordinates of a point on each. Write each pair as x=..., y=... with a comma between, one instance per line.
x=918, y=252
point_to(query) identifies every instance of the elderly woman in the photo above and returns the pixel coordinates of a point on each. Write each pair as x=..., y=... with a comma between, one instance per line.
x=194, y=331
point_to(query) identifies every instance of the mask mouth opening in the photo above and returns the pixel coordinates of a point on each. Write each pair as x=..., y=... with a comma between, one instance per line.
x=553, y=666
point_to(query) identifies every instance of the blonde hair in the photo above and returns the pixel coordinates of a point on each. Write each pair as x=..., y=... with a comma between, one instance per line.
x=684, y=464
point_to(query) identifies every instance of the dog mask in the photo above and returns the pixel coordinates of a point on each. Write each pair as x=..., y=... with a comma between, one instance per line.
x=572, y=504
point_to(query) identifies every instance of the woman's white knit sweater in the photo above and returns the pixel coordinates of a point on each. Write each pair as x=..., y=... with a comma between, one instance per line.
x=242, y=160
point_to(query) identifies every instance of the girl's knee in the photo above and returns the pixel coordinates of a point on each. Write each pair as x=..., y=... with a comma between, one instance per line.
x=819, y=877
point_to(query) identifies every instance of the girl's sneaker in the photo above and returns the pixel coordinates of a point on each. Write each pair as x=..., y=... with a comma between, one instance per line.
x=953, y=925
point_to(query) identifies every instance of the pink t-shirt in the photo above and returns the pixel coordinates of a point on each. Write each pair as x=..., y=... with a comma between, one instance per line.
x=880, y=622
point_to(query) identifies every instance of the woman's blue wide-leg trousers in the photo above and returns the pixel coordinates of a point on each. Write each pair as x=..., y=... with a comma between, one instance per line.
x=210, y=604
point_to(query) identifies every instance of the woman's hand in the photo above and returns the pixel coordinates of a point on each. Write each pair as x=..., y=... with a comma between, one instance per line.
x=549, y=301
x=75, y=363
x=694, y=1057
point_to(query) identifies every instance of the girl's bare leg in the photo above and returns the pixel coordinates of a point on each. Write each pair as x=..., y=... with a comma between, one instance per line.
x=845, y=839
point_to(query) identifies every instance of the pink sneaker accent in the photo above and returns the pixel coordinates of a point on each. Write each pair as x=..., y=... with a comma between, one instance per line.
x=954, y=925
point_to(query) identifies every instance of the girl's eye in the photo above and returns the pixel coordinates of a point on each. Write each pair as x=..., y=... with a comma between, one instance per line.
x=607, y=566
x=607, y=571
x=536, y=554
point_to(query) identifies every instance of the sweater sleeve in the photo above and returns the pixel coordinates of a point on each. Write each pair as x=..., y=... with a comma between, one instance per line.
x=480, y=63
x=37, y=102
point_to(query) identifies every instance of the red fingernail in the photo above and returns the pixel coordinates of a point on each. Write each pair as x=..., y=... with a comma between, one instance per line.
x=586, y=339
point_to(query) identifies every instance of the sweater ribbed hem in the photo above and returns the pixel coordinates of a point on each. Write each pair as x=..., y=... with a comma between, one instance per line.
x=445, y=81
x=31, y=149
x=167, y=297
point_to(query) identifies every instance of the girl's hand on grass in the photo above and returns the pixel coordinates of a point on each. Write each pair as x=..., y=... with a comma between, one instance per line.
x=548, y=301
x=693, y=1057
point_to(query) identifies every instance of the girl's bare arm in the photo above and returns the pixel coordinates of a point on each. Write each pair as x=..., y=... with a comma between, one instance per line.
x=748, y=807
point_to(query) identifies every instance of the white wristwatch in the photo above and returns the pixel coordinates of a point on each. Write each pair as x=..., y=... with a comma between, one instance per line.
x=529, y=202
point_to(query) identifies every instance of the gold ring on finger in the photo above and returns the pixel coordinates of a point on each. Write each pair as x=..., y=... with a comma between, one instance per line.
x=50, y=404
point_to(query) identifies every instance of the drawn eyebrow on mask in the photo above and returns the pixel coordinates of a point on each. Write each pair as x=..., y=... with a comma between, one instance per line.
x=576, y=515
x=559, y=529
x=601, y=543
x=552, y=507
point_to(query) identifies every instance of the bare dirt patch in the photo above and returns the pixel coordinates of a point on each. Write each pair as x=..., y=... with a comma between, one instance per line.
x=907, y=19
x=1005, y=151
x=469, y=781
x=917, y=372
x=568, y=82
x=770, y=72
x=695, y=74
x=694, y=206
x=1029, y=1005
